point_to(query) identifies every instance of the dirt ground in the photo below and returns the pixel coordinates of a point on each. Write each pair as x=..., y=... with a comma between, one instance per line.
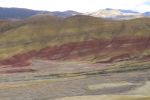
x=74, y=81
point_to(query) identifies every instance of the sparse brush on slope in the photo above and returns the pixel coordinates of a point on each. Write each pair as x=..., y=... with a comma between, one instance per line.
x=39, y=32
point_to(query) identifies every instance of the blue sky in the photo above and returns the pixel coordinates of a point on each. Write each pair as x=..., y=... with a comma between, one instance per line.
x=78, y=5
x=147, y=3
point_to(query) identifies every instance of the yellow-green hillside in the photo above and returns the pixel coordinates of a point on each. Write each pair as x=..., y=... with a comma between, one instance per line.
x=41, y=31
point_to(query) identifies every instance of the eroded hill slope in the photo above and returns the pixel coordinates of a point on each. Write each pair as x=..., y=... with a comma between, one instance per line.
x=77, y=38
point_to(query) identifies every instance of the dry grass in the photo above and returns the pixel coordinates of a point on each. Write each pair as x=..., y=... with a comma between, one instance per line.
x=109, y=85
x=107, y=97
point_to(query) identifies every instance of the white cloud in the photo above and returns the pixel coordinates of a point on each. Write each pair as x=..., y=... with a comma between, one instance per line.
x=78, y=5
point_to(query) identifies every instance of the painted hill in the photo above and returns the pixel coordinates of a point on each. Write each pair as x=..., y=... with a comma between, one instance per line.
x=79, y=37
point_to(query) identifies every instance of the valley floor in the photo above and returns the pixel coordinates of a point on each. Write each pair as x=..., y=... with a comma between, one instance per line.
x=66, y=80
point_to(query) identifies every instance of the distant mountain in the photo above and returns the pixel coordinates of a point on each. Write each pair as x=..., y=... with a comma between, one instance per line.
x=21, y=13
x=117, y=14
x=147, y=14
x=106, y=13
x=18, y=13
x=65, y=14
x=128, y=11
x=114, y=14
